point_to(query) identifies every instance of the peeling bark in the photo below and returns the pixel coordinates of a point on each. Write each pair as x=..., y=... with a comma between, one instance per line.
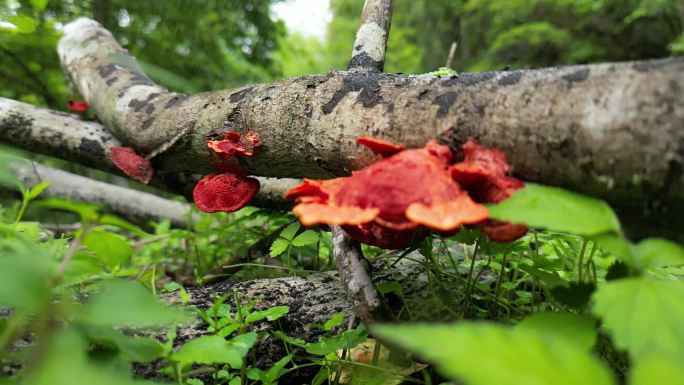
x=136, y=206
x=610, y=130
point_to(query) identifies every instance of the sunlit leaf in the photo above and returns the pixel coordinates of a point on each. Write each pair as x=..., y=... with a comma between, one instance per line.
x=215, y=350
x=278, y=247
x=657, y=369
x=128, y=303
x=486, y=353
x=654, y=252
x=35, y=191
x=111, y=248
x=133, y=348
x=308, y=237
x=643, y=314
x=574, y=328
x=290, y=231
x=556, y=209
x=271, y=314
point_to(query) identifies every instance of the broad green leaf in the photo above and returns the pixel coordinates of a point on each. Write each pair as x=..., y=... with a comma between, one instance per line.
x=113, y=220
x=25, y=274
x=111, y=248
x=278, y=247
x=618, y=246
x=128, y=303
x=643, y=314
x=215, y=350
x=39, y=5
x=574, y=328
x=82, y=266
x=655, y=369
x=87, y=211
x=556, y=209
x=35, y=191
x=654, y=252
x=308, y=237
x=334, y=321
x=133, y=348
x=290, y=231
x=64, y=362
x=486, y=354
x=23, y=24
x=270, y=314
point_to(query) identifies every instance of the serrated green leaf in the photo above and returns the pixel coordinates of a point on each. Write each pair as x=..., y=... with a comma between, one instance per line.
x=128, y=303
x=653, y=252
x=308, y=237
x=657, y=369
x=290, y=231
x=215, y=350
x=556, y=209
x=270, y=314
x=486, y=353
x=110, y=248
x=278, y=247
x=643, y=315
x=346, y=340
x=574, y=328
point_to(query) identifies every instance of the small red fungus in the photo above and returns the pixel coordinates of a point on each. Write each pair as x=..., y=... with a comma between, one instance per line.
x=81, y=106
x=379, y=147
x=390, y=202
x=233, y=143
x=132, y=164
x=224, y=192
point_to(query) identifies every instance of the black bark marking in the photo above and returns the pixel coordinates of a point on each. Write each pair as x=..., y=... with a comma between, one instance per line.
x=422, y=94
x=111, y=81
x=577, y=76
x=174, y=100
x=18, y=124
x=138, y=105
x=147, y=123
x=96, y=36
x=468, y=79
x=150, y=108
x=480, y=110
x=648, y=65
x=106, y=70
x=511, y=79
x=390, y=107
x=238, y=96
x=367, y=83
x=91, y=147
x=445, y=101
x=363, y=60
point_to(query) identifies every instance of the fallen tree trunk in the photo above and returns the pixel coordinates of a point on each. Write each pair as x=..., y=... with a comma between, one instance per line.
x=609, y=130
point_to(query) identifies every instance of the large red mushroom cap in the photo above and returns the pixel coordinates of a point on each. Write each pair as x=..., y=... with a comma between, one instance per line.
x=132, y=164
x=224, y=192
x=391, y=201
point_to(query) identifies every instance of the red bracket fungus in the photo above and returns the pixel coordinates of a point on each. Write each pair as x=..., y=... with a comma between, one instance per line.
x=231, y=190
x=78, y=106
x=132, y=164
x=399, y=197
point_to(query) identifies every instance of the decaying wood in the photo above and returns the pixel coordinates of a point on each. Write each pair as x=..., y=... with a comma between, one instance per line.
x=136, y=206
x=610, y=130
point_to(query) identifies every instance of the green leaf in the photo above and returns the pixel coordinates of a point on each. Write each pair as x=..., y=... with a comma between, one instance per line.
x=334, y=321
x=643, y=315
x=39, y=5
x=486, y=353
x=24, y=275
x=290, y=231
x=278, y=247
x=23, y=24
x=37, y=189
x=87, y=211
x=657, y=369
x=270, y=314
x=294, y=341
x=112, y=249
x=654, y=252
x=215, y=350
x=346, y=340
x=618, y=246
x=574, y=328
x=308, y=237
x=558, y=210
x=133, y=348
x=128, y=303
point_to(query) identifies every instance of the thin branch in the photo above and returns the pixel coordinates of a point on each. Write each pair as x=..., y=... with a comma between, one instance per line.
x=370, y=44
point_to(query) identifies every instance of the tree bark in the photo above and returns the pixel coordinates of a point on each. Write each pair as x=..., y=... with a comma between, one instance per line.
x=610, y=130
x=136, y=206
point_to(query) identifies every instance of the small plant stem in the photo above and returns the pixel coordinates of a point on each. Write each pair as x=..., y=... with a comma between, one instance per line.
x=580, y=262
x=469, y=283
x=376, y=352
x=22, y=208
x=499, y=281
